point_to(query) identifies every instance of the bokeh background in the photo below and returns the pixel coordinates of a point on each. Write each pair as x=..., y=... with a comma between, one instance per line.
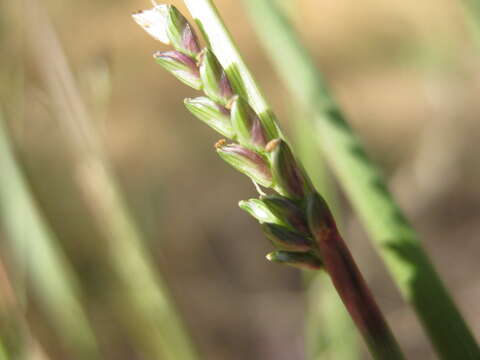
x=407, y=75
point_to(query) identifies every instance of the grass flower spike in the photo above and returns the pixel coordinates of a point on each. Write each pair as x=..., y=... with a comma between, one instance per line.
x=285, y=239
x=180, y=32
x=305, y=261
x=181, y=66
x=287, y=210
x=247, y=124
x=246, y=161
x=214, y=115
x=215, y=82
x=259, y=210
x=303, y=235
x=289, y=175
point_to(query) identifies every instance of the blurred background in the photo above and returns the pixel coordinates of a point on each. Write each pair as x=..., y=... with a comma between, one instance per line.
x=111, y=193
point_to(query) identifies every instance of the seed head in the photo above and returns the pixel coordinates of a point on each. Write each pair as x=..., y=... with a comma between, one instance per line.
x=215, y=81
x=305, y=260
x=180, y=32
x=246, y=161
x=181, y=66
x=214, y=115
x=289, y=176
x=247, y=124
x=286, y=239
x=259, y=211
x=320, y=218
x=288, y=211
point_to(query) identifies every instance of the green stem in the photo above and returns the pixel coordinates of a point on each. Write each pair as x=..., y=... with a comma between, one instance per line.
x=394, y=237
x=361, y=306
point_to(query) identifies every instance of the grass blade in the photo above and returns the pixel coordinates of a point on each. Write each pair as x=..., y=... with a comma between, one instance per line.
x=35, y=247
x=152, y=318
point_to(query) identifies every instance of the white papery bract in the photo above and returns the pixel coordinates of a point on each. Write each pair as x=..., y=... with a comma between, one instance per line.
x=154, y=22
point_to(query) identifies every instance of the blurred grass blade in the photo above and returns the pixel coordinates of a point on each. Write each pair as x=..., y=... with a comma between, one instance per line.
x=151, y=317
x=330, y=332
x=17, y=341
x=3, y=353
x=393, y=236
x=472, y=12
x=35, y=246
x=146, y=309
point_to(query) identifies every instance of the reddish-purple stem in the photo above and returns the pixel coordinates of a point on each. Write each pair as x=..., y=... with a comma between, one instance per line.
x=356, y=296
